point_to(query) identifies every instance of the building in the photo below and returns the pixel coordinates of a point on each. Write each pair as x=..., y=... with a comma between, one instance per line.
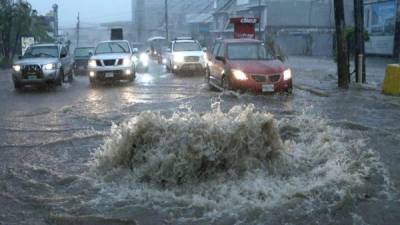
x=300, y=27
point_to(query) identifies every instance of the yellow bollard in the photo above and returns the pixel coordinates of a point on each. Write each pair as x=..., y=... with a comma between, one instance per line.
x=391, y=85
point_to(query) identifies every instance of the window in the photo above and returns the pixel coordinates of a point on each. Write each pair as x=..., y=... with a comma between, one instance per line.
x=248, y=51
x=186, y=46
x=242, y=2
x=216, y=48
x=221, y=51
x=42, y=51
x=112, y=47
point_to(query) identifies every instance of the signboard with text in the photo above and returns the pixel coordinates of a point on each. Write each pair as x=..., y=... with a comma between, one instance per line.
x=244, y=27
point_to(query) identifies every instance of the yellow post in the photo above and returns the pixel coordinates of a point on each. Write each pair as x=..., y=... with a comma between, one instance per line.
x=391, y=85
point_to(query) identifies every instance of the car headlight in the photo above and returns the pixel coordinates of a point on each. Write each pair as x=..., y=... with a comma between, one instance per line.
x=287, y=74
x=49, y=66
x=239, y=75
x=92, y=63
x=17, y=68
x=178, y=58
x=144, y=58
x=127, y=62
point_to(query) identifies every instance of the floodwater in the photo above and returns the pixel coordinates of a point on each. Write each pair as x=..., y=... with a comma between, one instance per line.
x=167, y=150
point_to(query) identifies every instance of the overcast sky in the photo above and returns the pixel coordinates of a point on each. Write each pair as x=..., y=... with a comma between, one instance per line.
x=91, y=11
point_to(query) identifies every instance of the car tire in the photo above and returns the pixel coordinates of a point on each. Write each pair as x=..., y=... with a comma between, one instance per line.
x=208, y=79
x=18, y=86
x=225, y=83
x=93, y=82
x=60, y=78
x=71, y=76
x=132, y=77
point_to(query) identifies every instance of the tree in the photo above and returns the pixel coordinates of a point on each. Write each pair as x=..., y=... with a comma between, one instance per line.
x=17, y=20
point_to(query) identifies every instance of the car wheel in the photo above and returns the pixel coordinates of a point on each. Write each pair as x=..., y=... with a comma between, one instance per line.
x=71, y=76
x=18, y=86
x=225, y=83
x=60, y=78
x=93, y=82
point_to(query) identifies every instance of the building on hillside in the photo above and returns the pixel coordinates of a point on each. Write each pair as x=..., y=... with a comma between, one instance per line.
x=300, y=27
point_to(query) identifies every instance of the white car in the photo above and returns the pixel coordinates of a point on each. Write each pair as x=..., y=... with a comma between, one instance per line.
x=112, y=61
x=186, y=56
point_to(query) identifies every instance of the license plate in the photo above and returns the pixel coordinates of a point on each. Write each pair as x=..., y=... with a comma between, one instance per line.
x=109, y=75
x=268, y=88
x=32, y=77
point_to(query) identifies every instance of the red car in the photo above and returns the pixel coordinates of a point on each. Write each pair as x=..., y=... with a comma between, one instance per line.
x=245, y=64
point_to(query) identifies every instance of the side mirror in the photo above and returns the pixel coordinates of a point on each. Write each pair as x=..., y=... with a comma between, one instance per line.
x=20, y=57
x=135, y=50
x=204, y=49
x=221, y=58
x=63, y=55
x=90, y=53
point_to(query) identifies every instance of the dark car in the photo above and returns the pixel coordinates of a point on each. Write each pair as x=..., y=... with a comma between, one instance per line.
x=245, y=64
x=81, y=59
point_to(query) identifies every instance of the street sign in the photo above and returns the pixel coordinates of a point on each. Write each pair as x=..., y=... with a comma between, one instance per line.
x=26, y=42
x=244, y=27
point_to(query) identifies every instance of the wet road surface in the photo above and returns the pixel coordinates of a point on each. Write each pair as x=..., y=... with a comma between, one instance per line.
x=66, y=154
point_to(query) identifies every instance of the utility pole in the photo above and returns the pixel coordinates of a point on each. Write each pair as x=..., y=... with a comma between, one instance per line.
x=166, y=21
x=359, y=56
x=396, y=50
x=341, y=46
x=78, y=27
x=55, y=12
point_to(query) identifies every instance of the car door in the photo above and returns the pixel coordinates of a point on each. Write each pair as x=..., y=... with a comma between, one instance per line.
x=65, y=60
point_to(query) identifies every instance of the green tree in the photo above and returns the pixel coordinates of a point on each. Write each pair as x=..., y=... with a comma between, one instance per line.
x=18, y=19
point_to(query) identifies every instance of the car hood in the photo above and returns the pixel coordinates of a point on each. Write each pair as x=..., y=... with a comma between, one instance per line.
x=111, y=56
x=258, y=66
x=190, y=53
x=36, y=61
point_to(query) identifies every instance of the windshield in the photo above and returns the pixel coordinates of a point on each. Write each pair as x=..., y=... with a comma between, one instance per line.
x=112, y=47
x=45, y=52
x=82, y=52
x=186, y=46
x=248, y=51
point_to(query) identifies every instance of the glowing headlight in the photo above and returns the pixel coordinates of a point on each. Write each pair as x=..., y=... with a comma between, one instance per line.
x=179, y=58
x=287, y=74
x=92, y=63
x=127, y=62
x=144, y=58
x=164, y=61
x=49, y=66
x=17, y=68
x=239, y=75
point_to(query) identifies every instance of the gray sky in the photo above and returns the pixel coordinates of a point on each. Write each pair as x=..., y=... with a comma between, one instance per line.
x=91, y=11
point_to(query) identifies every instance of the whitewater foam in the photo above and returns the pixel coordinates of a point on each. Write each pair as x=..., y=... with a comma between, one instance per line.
x=233, y=163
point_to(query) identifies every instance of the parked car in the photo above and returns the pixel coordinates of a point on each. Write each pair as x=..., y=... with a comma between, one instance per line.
x=141, y=57
x=112, y=61
x=186, y=55
x=81, y=59
x=43, y=64
x=245, y=64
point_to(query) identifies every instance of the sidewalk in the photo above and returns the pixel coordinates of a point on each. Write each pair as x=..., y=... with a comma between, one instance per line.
x=320, y=73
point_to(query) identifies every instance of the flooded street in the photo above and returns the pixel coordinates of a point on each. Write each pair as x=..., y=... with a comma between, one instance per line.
x=166, y=149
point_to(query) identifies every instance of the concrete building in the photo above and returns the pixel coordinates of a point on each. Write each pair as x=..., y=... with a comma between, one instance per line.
x=300, y=27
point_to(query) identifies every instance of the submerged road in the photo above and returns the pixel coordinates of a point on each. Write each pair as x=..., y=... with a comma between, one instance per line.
x=62, y=158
